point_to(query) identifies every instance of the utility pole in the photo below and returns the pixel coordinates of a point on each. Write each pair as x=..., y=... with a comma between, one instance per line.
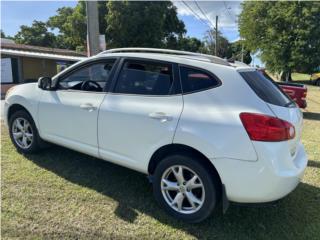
x=92, y=28
x=242, y=50
x=216, y=46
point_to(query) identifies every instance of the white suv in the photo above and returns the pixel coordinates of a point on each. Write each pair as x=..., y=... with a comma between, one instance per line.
x=203, y=130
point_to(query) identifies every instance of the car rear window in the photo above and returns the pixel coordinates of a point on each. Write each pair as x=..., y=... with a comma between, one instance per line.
x=266, y=89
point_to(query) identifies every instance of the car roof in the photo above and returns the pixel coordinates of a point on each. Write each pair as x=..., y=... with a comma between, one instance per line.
x=181, y=57
x=169, y=52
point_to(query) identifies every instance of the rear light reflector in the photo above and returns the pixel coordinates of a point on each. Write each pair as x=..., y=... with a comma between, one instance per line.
x=266, y=128
x=305, y=93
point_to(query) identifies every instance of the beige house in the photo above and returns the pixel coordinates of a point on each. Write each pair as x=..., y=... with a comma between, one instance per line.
x=24, y=63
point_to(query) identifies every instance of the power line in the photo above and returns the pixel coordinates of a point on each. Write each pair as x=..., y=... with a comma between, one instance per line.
x=231, y=16
x=195, y=14
x=204, y=14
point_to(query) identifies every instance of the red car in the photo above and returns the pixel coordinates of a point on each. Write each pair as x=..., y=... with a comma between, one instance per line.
x=298, y=92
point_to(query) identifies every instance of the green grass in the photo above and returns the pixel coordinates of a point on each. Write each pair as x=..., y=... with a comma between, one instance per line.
x=63, y=194
x=300, y=77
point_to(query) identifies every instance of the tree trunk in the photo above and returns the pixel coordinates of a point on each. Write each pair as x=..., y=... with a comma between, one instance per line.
x=285, y=76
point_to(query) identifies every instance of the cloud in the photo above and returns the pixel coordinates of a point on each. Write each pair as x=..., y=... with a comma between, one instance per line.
x=227, y=11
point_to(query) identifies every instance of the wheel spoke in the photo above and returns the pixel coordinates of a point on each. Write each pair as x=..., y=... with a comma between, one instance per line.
x=191, y=184
x=173, y=186
x=26, y=126
x=29, y=136
x=19, y=125
x=24, y=141
x=178, y=201
x=17, y=135
x=178, y=174
x=193, y=199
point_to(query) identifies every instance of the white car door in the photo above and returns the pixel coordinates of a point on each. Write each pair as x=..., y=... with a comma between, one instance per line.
x=141, y=113
x=68, y=115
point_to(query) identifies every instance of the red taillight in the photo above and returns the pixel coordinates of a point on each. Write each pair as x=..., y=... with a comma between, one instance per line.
x=266, y=128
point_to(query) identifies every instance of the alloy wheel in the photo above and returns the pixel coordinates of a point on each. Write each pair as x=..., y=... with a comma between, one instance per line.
x=22, y=132
x=182, y=189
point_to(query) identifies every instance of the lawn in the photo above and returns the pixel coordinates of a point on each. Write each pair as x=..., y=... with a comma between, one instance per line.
x=300, y=77
x=63, y=194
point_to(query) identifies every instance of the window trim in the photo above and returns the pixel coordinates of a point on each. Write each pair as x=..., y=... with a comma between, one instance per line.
x=175, y=90
x=84, y=65
x=211, y=74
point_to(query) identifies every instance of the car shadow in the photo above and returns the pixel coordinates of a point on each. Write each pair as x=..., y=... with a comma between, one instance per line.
x=311, y=116
x=313, y=163
x=133, y=193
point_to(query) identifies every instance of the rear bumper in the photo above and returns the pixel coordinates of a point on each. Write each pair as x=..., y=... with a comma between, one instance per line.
x=265, y=180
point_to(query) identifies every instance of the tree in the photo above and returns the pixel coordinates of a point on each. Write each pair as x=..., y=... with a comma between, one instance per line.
x=142, y=24
x=183, y=43
x=286, y=33
x=71, y=23
x=2, y=34
x=236, y=48
x=37, y=35
x=190, y=44
x=224, y=47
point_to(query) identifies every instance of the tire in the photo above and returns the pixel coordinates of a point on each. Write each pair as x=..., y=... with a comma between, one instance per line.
x=34, y=142
x=317, y=83
x=165, y=171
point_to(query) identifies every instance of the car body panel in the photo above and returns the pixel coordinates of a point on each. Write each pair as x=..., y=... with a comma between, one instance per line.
x=297, y=92
x=26, y=95
x=129, y=135
x=315, y=76
x=64, y=121
x=294, y=116
x=209, y=117
x=270, y=178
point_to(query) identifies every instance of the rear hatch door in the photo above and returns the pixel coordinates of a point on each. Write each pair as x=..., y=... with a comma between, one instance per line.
x=278, y=101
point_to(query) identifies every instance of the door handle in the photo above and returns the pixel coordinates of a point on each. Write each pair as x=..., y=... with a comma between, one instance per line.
x=160, y=116
x=88, y=106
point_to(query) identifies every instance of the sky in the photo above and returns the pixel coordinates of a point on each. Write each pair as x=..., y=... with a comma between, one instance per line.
x=198, y=17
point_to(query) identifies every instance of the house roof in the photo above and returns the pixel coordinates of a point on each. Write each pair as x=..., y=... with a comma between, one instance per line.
x=11, y=48
x=13, y=52
x=23, y=47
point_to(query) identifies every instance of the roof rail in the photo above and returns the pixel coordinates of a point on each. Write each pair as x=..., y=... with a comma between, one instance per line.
x=211, y=58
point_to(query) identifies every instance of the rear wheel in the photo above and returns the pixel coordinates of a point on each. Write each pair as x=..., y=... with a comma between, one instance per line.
x=185, y=188
x=23, y=132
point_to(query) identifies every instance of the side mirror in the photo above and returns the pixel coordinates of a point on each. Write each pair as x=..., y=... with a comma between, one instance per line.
x=44, y=83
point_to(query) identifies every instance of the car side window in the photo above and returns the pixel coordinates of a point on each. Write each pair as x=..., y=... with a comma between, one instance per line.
x=194, y=80
x=145, y=78
x=94, y=77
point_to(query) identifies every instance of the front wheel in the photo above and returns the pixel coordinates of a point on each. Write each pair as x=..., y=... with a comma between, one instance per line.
x=23, y=132
x=185, y=188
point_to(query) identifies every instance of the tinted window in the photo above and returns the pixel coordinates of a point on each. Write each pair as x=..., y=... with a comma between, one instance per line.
x=147, y=78
x=98, y=73
x=266, y=89
x=196, y=80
